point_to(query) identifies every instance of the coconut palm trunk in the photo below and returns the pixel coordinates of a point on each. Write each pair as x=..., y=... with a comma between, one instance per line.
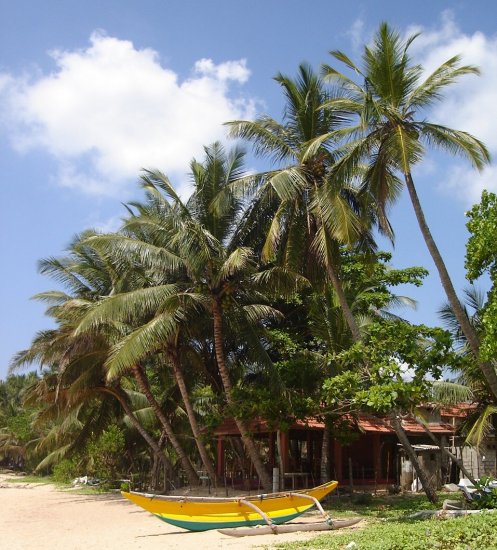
x=144, y=386
x=140, y=429
x=468, y=331
x=404, y=441
x=445, y=452
x=178, y=374
x=248, y=442
x=342, y=299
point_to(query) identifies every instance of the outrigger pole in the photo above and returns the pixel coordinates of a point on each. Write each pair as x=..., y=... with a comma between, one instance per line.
x=271, y=527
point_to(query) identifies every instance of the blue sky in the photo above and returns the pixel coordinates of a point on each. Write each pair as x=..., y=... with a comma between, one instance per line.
x=90, y=92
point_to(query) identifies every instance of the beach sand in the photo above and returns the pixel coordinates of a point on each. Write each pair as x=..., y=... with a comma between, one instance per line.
x=42, y=517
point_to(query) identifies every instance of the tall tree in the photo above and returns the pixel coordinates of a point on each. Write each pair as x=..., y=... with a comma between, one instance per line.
x=306, y=213
x=391, y=134
x=481, y=257
x=383, y=385
x=469, y=384
x=78, y=360
x=191, y=244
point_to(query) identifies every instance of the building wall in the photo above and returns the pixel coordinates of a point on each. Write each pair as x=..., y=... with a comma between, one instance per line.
x=482, y=461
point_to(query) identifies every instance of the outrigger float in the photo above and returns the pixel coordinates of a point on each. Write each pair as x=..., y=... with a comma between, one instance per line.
x=255, y=515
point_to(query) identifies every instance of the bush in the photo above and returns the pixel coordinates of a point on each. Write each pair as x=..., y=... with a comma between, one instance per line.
x=66, y=470
x=487, y=500
x=106, y=453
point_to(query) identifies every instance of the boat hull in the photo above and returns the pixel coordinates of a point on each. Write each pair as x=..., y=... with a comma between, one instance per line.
x=202, y=514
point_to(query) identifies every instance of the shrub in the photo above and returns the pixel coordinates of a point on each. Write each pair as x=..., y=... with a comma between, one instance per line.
x=66, y=470
x=106, y=453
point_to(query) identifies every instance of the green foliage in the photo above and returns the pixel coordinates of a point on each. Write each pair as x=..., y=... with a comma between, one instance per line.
x=66, y=470
x=106, y=453
x=20, y=426
x=488, y=499
x=125, y=486
x=16, y=421
x=381, y=507
x=481, y=257
x=373, y=372
x=488, y=494
x=477, y=532
x=388, y=129
x=373, y=277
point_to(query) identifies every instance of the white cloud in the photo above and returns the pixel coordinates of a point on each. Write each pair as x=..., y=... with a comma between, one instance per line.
x=230, y=70
x=110, y=109
x=470, y=104
x=357, y=34
x=466, y=184
x=110, y=225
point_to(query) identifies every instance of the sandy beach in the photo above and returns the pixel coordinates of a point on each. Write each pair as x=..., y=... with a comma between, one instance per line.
x=41, y=517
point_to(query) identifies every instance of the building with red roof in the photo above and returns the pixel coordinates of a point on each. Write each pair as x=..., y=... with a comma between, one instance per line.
x=362, y=451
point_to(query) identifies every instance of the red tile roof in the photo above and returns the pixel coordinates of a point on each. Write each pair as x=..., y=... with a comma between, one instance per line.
x=365, y=423
x=458, y=411
x=413, y=427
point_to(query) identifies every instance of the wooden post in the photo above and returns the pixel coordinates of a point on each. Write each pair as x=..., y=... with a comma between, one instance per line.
x=220, y=457
x=337, y=459
x=276, y=480
x=310, y=453
x=377, y=456
x=272, y=444
x=283, y=451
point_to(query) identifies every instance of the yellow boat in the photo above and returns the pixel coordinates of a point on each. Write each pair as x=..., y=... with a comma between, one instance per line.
x=204, y=513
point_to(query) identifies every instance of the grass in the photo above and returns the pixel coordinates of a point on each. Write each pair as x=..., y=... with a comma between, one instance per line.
x=31, y=479
x=388, y=527
x=381, y=507
x=45, y=480
x=477, y=532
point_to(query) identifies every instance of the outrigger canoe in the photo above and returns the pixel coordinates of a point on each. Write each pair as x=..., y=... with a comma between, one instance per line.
x=204, y=513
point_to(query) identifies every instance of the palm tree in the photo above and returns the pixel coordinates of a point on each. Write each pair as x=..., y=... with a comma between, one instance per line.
x=78, y=359
x=390, y=136
x=469, y=384
x=16, y=429
x=92, y=276
x=306, y=214
x=193, y=245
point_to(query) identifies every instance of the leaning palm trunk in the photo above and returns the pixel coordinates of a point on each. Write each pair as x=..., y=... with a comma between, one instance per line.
x=206, y=461
x=487, y=369
x=346, y=311
x=142, y=382
x=248, y=442
x=118, y=394
x=161, y=468
x=404, y=441
x=445, y=452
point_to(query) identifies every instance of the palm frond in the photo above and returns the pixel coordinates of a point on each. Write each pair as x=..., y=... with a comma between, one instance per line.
x=482, y=427
x=127, y=306
x=451, y=393
x=456, y=142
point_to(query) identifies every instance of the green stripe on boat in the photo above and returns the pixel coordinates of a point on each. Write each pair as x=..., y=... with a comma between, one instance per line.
x=207, y=525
